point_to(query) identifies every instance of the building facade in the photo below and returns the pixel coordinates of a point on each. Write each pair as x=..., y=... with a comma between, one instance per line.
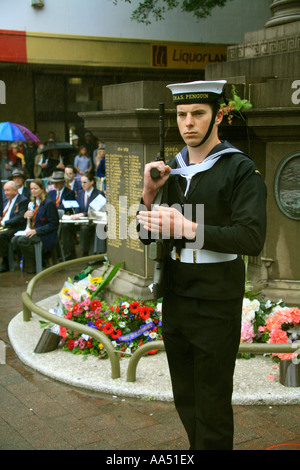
x=56, y=56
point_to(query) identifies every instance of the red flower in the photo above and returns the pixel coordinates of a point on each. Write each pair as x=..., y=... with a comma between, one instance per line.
x=70, y=344
x=154, y=351
x=63, y=332
x=107, y=329
x=89, y=344
x=77, y=308
x=145, y=312
x=98, y=323
x=134, y=307
x=115, y=334
x=95, y=304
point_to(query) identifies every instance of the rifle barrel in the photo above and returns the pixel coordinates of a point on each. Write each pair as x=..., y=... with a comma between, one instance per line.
x=154, y=171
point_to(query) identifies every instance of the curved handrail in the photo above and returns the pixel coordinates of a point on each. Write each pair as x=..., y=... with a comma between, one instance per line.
x=29, y=306
x=258, y=348
x=58, y=267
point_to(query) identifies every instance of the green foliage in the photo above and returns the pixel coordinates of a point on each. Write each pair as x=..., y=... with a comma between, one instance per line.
x=157, y=8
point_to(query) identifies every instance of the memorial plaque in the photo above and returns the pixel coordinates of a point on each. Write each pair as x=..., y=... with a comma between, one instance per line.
x=125, y=168
x=124, y=176
x=287, y=186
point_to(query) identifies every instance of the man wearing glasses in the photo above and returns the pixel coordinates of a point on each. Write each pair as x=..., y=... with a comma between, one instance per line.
x=87, y=231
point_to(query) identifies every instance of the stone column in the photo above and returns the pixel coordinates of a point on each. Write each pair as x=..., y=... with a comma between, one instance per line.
x=284, y=11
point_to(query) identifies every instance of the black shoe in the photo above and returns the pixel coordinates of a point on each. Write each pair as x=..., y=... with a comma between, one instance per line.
x=3, y=268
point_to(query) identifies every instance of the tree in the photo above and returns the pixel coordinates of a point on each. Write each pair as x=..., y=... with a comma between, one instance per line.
x=157, y=8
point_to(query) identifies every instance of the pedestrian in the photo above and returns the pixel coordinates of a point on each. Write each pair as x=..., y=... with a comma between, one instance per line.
x=205, y=272
x=82, y=162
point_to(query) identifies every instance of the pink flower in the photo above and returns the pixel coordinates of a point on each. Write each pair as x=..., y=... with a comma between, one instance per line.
x=74, y=295
x=278, y=336
x=247, y=332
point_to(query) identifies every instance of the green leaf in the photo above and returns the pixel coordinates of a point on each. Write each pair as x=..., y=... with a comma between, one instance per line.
x=107, y=280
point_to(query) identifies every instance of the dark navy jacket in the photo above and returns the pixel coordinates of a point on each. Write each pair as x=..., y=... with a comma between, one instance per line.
x=16, y=218
x=46, y=223
x=81, y=200
x=66, y=194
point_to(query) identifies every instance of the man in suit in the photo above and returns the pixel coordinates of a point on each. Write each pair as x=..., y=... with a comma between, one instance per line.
x=61, y=192
x=19, y=178
x=12, y=219
x=87, y=231
x=71, y=181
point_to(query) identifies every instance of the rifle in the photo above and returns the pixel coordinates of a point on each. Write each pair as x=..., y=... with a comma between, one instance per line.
x=154, y=171
x=158, y=250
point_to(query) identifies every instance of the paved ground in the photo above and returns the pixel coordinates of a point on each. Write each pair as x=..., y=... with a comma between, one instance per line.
x=37, y=413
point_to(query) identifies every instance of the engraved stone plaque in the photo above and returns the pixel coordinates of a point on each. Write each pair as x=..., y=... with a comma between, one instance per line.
x=287, y=186
x=124, y=168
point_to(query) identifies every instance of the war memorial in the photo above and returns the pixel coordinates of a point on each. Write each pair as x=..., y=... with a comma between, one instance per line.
x=264, y=70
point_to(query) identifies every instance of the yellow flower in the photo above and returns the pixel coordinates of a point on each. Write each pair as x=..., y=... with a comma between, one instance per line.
x=96, y=280
x=64, y=293
x=100, y=346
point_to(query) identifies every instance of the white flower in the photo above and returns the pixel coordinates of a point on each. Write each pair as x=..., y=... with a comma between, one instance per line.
x=153, y=335
x=127, y=351
x=268, y=304
x=122, y=324
x=249, y=309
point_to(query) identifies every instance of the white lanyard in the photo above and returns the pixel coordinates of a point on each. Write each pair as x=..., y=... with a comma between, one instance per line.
x=188, y=172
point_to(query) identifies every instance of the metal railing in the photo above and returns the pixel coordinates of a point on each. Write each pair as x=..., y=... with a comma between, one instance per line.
x=254, y=348
x=29, y=306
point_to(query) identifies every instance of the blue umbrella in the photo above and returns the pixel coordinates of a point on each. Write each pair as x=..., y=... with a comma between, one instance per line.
x=10, y=131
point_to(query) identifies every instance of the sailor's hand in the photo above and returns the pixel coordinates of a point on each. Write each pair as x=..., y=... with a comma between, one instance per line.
x=168, y=222
x=152, y=185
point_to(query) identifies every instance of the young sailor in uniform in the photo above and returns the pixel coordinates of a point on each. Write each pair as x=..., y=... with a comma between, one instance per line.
x=205, y=275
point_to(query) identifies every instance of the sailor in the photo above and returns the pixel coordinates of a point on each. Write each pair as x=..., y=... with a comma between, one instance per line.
x=205, y=273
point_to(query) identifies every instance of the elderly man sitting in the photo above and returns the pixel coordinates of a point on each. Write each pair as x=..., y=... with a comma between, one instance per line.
x=12, y=219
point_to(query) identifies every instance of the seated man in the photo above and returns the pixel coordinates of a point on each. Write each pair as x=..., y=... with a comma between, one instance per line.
x=12, y=219
x=19, y=178
x=87, y=231
x=71, y=182
x=61, y=192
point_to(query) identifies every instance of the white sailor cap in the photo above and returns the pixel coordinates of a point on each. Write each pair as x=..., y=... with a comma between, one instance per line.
x=197, y=92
